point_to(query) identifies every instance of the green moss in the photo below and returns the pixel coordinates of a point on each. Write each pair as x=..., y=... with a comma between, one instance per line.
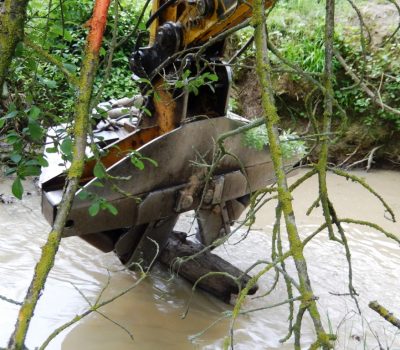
x=227, y=343
x=11, y=32
x=76, y=169
x=42, y=269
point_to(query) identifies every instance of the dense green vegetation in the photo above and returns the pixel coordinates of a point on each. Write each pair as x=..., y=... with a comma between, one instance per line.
x=38, y=94
x=58, y=29
x=297, y=30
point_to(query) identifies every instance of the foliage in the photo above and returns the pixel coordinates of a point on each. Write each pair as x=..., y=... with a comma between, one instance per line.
x=193, y=82
x=58, y=29
x=99, y=171
x=380, y=68
x=23, y=140
x=291, y=144
x=300, y=40
x=296, y=28
x=37, y=92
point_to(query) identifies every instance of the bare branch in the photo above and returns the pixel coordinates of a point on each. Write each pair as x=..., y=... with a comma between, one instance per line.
x=375, y=99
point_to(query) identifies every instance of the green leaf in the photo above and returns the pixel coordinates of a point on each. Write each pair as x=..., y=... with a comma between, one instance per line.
x=195, y=90
x=16, y=158
x=146, y=111
x=83, y=194
x=13, y=138
x=10, y=171
x=68, y=36
x=35, y=130
x=98, y=184
x=212, y=77
x=17, y=188
x=56, y=29
x=99, y=170
x=70, y=67
x=11, y=115
x=32, y=162
x=137, y=162
x=66, y=146
x=152, y=161
x=144, y=80
x=51, y=150
x=113, y=210
x=42, y=161
x=94, y=208
x=29, y=170
x=51, y=84
x=34, y=113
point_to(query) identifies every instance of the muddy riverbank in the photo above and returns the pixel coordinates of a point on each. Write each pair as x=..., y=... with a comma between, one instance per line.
x=152, y=311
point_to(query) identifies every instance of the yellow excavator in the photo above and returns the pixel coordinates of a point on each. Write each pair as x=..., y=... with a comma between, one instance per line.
x=174, y=134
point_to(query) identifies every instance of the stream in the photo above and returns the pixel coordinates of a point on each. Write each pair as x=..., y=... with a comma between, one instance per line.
x=152, y=311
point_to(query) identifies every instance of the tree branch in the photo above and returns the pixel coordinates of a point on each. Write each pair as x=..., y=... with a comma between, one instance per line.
x=72, y=78
x=375, y=99
x=385, y=313
x=49, y=250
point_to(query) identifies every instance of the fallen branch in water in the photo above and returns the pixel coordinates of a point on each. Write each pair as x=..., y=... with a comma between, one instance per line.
x=369, y=158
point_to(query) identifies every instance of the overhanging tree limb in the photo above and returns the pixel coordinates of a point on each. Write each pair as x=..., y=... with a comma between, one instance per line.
x=263, y=69
x=328, y=113
x=88, y=71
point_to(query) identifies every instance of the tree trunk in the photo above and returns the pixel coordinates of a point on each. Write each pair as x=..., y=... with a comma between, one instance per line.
x=12, y=18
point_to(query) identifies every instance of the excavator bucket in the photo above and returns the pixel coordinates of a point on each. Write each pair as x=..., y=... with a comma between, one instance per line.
x=183, y=171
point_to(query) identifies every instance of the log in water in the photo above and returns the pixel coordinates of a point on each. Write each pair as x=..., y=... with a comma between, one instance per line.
x=203, y=263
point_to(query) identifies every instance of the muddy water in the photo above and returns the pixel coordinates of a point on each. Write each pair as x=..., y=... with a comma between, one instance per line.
x=152, y=311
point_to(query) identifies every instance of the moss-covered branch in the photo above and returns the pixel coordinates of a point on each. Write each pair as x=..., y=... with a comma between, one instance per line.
x=284, y=196
x=49, y=250
x=72, y=79
x=328, y=113
x=385, y=313
x=12, y=18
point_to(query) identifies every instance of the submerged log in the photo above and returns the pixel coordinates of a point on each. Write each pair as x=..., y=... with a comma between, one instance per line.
x=220, y=286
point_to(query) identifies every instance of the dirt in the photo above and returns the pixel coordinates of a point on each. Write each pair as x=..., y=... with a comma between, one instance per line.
x=376, y=16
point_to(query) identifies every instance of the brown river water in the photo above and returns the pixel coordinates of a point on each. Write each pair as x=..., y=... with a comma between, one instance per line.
x=152, y=311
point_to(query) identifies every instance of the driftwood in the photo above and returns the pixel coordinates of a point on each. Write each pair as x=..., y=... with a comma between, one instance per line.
x=220, y=286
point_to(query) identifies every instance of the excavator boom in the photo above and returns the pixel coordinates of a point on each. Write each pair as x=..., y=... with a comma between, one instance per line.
x=168, y=162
